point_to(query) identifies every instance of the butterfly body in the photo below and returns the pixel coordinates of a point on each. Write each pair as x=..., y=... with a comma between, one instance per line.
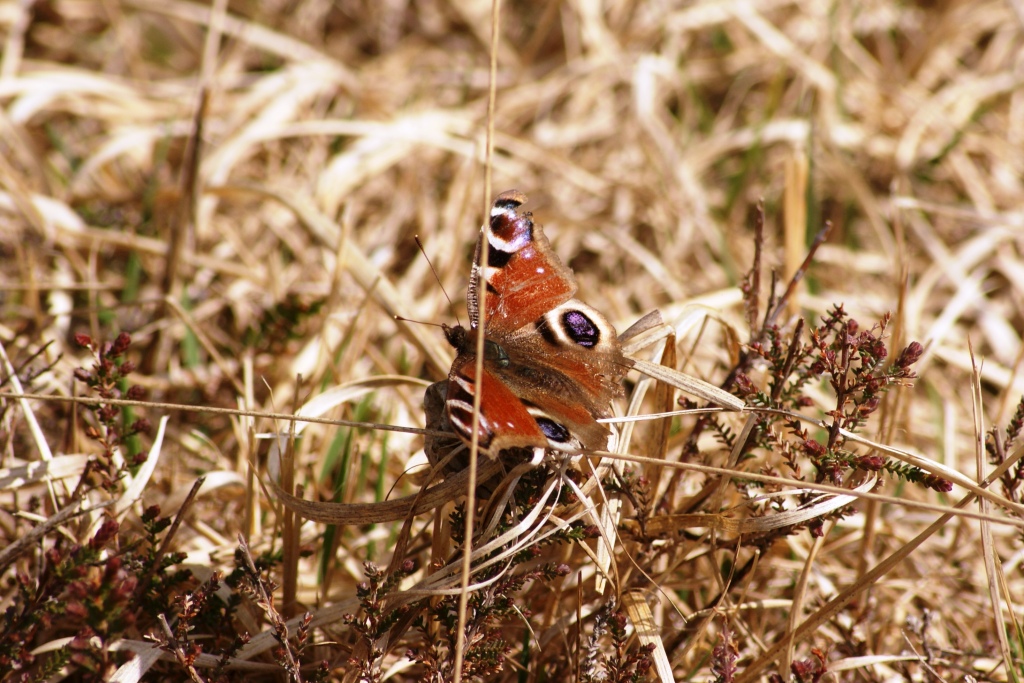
x=552, y=364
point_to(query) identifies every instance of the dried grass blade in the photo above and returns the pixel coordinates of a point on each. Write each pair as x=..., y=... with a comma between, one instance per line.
x=938, y=469
x=60, y=467
x=74, y=509
x=37, y=433
x=138, y=483
x=608, y=521
x=996, y=580
x=386, y=511
x=814, y=510
x=648, y=632
x=689, y=384
x=132, y=671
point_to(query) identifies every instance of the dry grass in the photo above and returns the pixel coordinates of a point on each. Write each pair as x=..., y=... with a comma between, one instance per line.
x=278, y=245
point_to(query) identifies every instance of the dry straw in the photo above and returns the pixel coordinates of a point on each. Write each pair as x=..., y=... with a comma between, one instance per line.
x=238, y=187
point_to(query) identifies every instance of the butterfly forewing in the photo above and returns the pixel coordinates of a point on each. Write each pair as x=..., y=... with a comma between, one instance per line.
x=524, y=277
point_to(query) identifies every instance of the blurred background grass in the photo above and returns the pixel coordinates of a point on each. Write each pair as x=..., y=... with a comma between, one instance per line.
x=254, y=234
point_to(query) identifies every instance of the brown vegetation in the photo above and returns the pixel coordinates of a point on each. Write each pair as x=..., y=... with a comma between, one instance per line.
x=207, y=221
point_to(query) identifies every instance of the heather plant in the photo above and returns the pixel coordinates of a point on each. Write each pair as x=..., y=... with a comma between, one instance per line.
x=208, y=269
x=113, y=427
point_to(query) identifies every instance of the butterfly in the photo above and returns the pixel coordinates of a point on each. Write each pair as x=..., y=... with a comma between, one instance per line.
x=552, y=364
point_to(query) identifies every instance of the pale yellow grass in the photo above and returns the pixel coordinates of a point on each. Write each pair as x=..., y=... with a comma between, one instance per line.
x=645, y=134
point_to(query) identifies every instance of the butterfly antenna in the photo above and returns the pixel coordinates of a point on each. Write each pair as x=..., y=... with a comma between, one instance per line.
x=403, y=319
x=451, y=306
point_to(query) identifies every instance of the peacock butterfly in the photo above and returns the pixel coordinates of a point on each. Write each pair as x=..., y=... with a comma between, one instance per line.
x=552, y=364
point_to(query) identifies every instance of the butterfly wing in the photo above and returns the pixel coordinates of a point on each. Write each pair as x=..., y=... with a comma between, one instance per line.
x=552, y=363
x=504, y=422
x=524, y=277
x=566, y=368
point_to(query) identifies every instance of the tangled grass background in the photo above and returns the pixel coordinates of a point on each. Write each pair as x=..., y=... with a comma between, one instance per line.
x=238, y=186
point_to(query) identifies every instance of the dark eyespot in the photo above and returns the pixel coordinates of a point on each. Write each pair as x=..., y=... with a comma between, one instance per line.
x=546, y=332
x=580, y=329
x=553, y=431
x=496, y=258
